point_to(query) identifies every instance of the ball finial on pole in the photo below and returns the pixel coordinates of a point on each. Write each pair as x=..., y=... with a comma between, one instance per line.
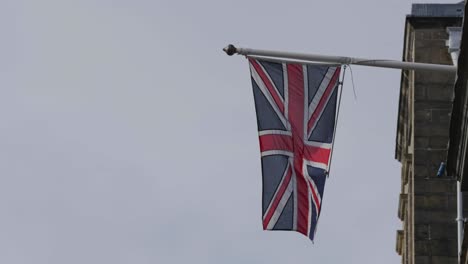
x=230, y=50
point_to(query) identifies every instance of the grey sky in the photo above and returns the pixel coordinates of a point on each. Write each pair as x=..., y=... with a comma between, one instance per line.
x=127, y=136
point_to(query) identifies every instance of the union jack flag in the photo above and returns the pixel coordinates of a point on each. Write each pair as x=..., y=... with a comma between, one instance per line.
x=296, y=110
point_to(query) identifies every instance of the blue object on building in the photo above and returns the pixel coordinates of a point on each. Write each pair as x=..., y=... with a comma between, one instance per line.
x=441, y=170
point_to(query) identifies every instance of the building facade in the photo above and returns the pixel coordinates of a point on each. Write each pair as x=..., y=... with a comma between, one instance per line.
x=428, y=203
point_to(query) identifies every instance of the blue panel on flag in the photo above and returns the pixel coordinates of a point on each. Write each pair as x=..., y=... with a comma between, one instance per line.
x=275, y=72
x=318, y=176
x=324, y=129
x=285, y=221
x=267, y=119
x=315, y=75
x=313, y=224
x=273, y=168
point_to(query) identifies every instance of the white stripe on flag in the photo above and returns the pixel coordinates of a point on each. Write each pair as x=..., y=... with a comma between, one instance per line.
x=280, y=207
x=323, y=86
x=267, y=94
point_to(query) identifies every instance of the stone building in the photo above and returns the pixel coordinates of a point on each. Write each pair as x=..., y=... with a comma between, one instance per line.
x=427, y=206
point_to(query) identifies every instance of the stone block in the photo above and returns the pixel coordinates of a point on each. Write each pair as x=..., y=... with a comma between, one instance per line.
x=423, y=187
x=429, y=130
x=440, y=34
x=452, y=198
x=421, y=142
x=422, y=248
x=442, y=185
x=418, y=44
x=439, y=93
x=435, y=79
x=421, y=232
x=432, y=104
x=437, y=156
x=437, y=45
x=422, y=216
x=430, y=157
x=439, y=130
x=422, y=130
x=438, y=142
x=444, y=247
x=422, y=260
x=420, y=93
x=443, y=260
x=420, y=201
x=436, y=52
x=445, y=57
x=421, y=156
x=430, y=171
x=424, y=55
x=425, y=217
x=418, y=35
x=441, y=116
x=422, y=116
x=420, y=170
x=431, y=201
x=436, y=201
x=443, y=231
x=422, y=35
x=435, y=185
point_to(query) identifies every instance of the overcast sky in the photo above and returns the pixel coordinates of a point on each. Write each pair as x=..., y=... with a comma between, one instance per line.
x=128, y=136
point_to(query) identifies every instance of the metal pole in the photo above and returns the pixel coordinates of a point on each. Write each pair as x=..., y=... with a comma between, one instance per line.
x=460, y=219
x=231, y=50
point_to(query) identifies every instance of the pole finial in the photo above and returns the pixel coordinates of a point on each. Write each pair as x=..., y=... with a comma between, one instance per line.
x=230, y=50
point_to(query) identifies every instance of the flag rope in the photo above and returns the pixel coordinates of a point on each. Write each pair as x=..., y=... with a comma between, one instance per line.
x=352, y=81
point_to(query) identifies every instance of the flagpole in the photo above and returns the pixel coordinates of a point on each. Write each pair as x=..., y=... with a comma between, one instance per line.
x=460, y=219
x=231, y=50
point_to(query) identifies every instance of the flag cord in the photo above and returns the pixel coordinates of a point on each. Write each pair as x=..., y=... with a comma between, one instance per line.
x=352, y=80
x=340, y=83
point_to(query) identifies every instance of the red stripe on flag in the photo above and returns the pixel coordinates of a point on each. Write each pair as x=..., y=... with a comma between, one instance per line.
x=277, y=198
x=276, y=142
x=296, y=118
x=303, y=204
x=317, y=154
x=323, y=100
x=268, y=84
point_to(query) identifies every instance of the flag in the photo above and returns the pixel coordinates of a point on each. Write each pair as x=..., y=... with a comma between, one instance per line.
x=296, y=109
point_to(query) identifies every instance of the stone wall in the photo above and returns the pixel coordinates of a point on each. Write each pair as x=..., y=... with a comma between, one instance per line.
x=435, y=229
x=428, y=203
